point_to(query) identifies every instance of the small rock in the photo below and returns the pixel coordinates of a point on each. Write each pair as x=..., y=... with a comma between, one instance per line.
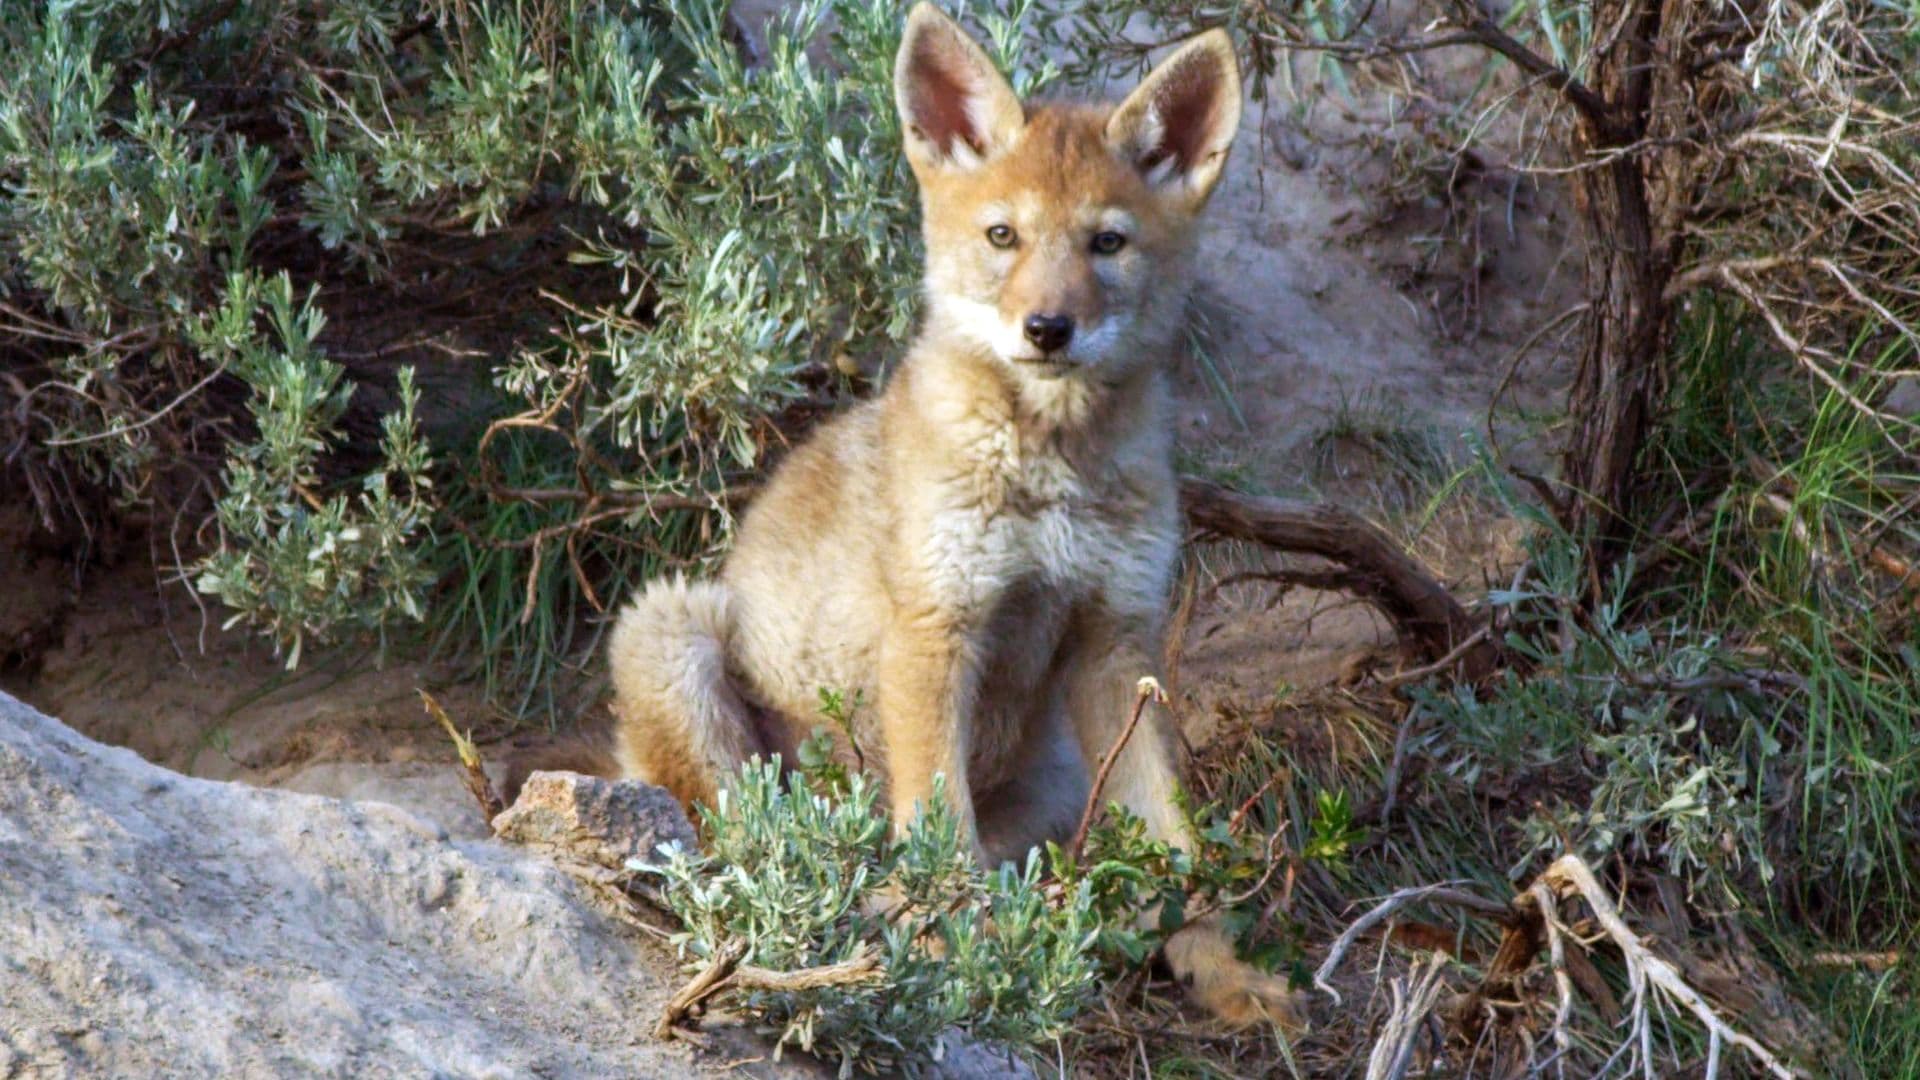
x=604, y=822
x=1904, y=400
x=962, y=1058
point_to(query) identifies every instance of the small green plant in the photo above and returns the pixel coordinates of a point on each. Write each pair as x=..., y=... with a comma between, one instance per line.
x=295, y=563
x=1332, y=833
x=1130, y=873
x=827, y=770
x=808, y=879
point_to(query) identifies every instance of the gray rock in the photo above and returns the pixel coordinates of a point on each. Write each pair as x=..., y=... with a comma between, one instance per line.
x=154, y=924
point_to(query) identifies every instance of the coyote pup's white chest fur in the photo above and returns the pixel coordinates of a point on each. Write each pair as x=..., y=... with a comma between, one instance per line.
x=1024, y=512
x=981, y=554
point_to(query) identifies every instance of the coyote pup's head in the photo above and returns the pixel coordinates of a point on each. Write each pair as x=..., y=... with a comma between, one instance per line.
x=1058, y=236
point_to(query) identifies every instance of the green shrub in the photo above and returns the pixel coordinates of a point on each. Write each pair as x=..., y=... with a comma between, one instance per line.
x=803, y=872
x=1661, y=741
x=808, y=879
x=292, y=564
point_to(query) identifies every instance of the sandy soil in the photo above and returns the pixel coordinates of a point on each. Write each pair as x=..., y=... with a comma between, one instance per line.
x=136, y=667
x=1311, y=288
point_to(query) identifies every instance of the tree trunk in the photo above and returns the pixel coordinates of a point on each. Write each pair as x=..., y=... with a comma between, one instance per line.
x=1633, y=202
x=1621, y=371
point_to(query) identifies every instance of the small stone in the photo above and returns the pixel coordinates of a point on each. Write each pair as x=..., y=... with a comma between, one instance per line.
x=962, y=1058
x=604, y=822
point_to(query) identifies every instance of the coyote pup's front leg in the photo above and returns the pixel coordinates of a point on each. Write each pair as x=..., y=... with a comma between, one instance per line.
x=923, y=701
x=1112, y=653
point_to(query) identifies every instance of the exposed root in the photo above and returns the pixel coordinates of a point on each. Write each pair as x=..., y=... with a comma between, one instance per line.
x=1371, y=566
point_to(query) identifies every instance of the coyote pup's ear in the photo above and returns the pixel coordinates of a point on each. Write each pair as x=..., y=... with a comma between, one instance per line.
x=1178, y=124
x=957, y=110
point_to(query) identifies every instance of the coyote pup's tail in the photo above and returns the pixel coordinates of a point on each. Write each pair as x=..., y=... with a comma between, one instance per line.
x=678, y=719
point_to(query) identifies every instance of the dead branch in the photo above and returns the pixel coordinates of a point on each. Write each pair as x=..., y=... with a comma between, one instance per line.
x=1570, y=876
x=1557, y=960
x=1519, y=944
x=1534, y=921
x=1420, y=894
x=1411, y=675
x=1413, y=1001
x=708, y=982
x=1371, y=565
x=725, y=972
x=863, y=966
x=1596, y=109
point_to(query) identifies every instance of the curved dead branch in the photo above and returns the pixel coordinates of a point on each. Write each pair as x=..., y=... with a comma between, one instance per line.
x=1370, y=564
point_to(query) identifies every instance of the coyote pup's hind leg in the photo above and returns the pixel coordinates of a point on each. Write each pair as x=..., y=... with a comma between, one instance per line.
x=678, y=719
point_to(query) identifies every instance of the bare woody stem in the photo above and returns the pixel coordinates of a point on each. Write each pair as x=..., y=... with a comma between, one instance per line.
x=1149, y=690
x=726, y=972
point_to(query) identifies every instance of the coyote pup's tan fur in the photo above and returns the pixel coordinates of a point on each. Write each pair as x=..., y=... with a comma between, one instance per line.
x=984, y=551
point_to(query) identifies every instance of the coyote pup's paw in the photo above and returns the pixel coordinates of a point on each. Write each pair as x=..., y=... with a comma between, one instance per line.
x=1233, y=990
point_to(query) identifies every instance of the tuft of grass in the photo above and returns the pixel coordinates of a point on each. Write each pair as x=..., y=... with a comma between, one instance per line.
x=1796, y=530
x=1203, y=347
x=527, y=597
x=1381, y=443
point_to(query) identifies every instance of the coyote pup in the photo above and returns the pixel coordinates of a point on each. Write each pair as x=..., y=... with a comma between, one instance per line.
x=985, y=550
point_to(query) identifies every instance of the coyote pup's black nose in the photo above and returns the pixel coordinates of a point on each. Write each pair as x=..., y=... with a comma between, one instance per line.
x=1050, y=332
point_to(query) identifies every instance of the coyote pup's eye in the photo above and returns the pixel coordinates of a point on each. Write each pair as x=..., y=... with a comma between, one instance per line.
x=1000, y=236
x=1106, y=243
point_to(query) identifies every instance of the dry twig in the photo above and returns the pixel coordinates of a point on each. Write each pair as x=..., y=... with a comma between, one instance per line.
x=1148, y=690
x=725, y=972
x=1419, y=894
x=1869, y=961
x=1413, y=1001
